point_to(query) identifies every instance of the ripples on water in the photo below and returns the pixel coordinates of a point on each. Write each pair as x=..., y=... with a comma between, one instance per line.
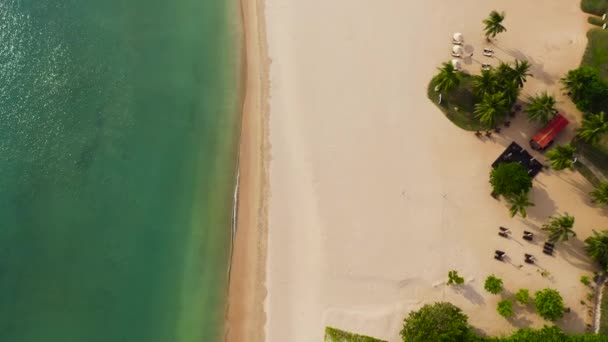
x=117, y=145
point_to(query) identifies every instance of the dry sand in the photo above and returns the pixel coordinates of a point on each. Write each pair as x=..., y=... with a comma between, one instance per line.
x=374, y=194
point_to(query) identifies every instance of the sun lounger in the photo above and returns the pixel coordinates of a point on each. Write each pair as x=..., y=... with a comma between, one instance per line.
x=488, y=50
x=528, y=233
x=454, y=54
x=528, y=237
x=499, y=252
x=497, y=257
x=528, y=256
x=504, y=229
x=488, y=54
x=549, y=244
x=529, y=261
x=503, y=234
x=548, y=251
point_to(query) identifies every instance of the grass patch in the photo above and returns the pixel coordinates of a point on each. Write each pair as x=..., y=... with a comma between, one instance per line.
x=596, y=53
x=597, y=21
x=597, y=7
x=336, y=335
x=458, y=105
x=584, y=170
x=604, y=312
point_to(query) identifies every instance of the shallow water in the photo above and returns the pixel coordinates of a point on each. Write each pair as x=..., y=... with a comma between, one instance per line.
x=118, y=126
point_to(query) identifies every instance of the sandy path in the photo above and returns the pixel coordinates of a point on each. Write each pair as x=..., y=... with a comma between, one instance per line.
x=374, y=194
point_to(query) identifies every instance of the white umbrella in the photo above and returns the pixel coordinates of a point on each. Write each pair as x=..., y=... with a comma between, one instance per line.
x=456, y=63
x=457, y=49
x=458, y=37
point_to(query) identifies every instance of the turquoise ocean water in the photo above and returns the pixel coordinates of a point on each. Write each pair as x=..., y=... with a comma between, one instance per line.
x=118, y=142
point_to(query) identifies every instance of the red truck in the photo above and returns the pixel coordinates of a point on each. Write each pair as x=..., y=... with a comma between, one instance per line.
x=545, y=136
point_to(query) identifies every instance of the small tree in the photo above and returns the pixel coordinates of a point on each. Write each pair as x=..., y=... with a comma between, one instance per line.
x=505, y=308
x=454, y=278
x=493, y=284
x=493, y=24
x=522, y=296
x=519, y=203
x=510, y=179
x=562, y=156
x=549, y=304
x=436, y=322
x=484, y=84
x=560, y=228
x=600, y=193
x=597, y=247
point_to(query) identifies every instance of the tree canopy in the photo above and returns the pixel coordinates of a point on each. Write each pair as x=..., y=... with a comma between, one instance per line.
x=549, y=304
x=510, y=179
x=586, y=89
x=441, y=322
x=493, y=284
x=597, y=247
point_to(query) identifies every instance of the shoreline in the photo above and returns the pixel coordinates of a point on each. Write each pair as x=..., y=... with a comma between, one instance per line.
x=245, y=316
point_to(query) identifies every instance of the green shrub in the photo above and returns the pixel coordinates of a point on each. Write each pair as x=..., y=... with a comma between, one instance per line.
x=505, y=308
x=597, y=7
x=549, y=304
x=437, y=322
x=493, y=284
x=454, y=278
x=585, y=280
x=604, y=312
x=597, y=21
x=336, y=335
x=522, y=296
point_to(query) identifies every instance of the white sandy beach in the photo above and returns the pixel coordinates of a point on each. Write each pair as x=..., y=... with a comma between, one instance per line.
x=374, y=195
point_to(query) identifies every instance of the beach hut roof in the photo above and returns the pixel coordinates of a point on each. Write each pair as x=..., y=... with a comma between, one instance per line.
x=456, y=63
x=457, y=49
x=458, y=37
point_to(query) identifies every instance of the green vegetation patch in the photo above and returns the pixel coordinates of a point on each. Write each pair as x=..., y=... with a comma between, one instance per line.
x=604, y=312
x=597, y=21
x=596, y=53
x=336, y=335
x=597, y=7
x=459, y=104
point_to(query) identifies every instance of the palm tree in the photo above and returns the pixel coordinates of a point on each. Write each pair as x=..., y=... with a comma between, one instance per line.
x=491, y=108
x=600, y=193
x=562, y=156
x=519, y=203
x=593, y=127
x=560, y=227
x=597, y=247
x=485, y=83
x=541, y=108
x=493, y=24
x=447, y=79
x=520, y=72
